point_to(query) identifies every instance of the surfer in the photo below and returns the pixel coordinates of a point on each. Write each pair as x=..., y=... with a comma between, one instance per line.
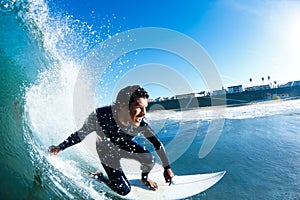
x=116, y=126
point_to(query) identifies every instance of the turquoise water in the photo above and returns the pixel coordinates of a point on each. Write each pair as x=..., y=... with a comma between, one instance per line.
x=258, y=145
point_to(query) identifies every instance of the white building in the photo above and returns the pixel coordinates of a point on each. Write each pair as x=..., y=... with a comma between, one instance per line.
x=203, y=93
x=258, y=87
x=184, y=96
x=291, y=84
x=235, y=89
x=219, y=92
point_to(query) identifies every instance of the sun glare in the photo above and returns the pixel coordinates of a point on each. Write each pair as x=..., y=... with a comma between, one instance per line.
x=292, y=33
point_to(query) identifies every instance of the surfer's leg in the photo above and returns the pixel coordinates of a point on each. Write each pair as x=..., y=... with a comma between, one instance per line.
x=146, y=158
x=117, y=180
x=110, y=160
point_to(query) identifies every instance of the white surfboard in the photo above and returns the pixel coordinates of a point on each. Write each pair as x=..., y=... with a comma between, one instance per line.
x=183, y=186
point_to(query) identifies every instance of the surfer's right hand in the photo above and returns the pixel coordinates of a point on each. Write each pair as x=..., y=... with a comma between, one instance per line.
x=169, y=175
x=54, y=150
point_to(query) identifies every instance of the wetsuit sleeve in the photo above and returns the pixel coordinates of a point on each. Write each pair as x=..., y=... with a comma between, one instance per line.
x=158, y=146
x=70, y=141
x=89, y=126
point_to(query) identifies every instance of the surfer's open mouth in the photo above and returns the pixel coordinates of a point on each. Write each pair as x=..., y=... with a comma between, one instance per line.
x=139, y=119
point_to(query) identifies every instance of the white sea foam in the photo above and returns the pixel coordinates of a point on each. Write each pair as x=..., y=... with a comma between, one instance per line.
x=49, y=100
x=253, y=110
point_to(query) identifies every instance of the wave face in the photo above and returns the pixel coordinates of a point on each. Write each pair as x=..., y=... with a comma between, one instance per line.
x=41, y=51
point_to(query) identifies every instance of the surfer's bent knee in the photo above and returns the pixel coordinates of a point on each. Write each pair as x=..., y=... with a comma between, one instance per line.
x=123, y=190
x=120, y=184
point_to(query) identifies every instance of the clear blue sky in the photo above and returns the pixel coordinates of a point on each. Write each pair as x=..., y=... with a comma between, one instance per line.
x=245, y=39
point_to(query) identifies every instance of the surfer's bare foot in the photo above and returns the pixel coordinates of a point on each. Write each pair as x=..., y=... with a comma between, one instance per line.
x=97, y=175
x=150, y=184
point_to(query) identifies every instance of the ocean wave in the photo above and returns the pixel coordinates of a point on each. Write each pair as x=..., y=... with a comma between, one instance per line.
x=40, y=59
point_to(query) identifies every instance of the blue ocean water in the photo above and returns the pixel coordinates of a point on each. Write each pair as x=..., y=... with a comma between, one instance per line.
x=40, y=49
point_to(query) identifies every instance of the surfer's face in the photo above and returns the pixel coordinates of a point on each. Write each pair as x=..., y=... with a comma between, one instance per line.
x=137, y=110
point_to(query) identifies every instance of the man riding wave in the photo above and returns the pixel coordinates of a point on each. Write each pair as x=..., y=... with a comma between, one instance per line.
x=116, y=126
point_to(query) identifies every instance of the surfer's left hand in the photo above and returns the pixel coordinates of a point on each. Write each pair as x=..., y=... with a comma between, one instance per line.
x=54, y=149
x=169, y=175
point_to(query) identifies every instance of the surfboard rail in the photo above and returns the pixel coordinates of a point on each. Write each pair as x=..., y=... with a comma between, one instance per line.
x=183, y=186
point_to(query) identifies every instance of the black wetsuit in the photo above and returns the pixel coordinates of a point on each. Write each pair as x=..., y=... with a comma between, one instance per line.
x=116, y=143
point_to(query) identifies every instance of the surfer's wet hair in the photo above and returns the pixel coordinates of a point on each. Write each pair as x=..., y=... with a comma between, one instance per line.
x=129, y=94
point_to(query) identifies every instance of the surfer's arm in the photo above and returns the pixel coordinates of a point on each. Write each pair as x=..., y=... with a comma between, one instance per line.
x=160, y=150
x=76, y=137
x=157, y=144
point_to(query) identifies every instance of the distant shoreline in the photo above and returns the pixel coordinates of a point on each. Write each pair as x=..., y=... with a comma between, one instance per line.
x=229, y=100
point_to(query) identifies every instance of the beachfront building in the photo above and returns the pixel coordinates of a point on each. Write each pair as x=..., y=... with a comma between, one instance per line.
x=258, y=87
x=203, y=93
x=250, y=88
x=219, y=92
x=150, y=100
x=185, y=96
x=291, y=84
x=263, y=87
x=159, y=99
x=235, y=89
